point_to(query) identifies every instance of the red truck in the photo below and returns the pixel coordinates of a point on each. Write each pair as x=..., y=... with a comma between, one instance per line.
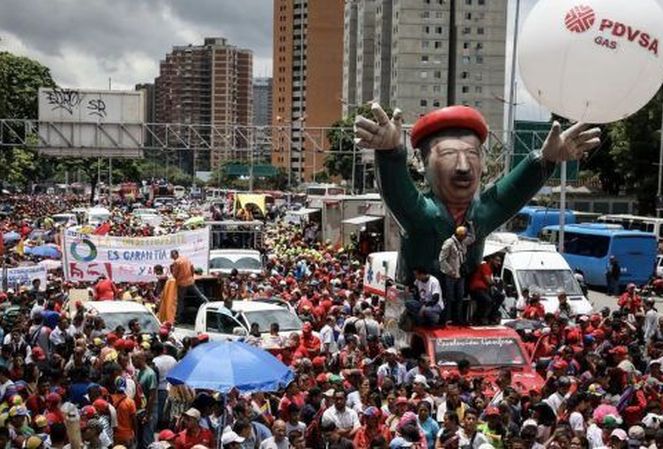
x=487, y=348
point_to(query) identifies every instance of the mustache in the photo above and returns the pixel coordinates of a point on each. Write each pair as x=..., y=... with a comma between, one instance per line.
x=463, y=177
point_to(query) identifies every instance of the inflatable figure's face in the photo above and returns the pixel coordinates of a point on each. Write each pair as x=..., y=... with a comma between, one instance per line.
x=453, y=168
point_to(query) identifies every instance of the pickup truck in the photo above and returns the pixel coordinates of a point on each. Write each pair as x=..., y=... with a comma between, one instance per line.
x=220, y=323
x=487, y=348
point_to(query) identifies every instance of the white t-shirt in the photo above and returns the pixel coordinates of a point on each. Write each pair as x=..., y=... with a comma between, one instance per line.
x=346, y=419
x=577, y=422
x=164, y=363
x=428, y=289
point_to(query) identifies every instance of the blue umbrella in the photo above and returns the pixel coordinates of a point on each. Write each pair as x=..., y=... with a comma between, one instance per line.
x=49, y=251
x=222, y=366
x=10, y=237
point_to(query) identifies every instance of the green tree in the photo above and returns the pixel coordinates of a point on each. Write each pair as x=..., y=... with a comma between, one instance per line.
x=634, y=149
x=340, y=160
x=20, y=80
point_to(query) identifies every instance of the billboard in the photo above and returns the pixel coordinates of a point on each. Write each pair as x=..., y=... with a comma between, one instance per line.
x=91, y=123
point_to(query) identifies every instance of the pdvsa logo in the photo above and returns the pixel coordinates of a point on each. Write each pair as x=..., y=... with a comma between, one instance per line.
x=582, y=18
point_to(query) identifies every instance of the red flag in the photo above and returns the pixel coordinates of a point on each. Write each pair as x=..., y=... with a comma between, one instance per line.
x=103, y=229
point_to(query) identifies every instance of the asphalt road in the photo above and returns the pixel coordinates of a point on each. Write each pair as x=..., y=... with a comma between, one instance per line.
x=601, y=300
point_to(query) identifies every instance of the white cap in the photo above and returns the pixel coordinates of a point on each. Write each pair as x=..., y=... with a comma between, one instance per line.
x=231, y=437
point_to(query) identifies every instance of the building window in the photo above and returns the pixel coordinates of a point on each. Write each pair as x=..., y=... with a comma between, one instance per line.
x=468, y=16
x=480, y=30
x=479, y=45
x=424, y=44
x=478, y=89
x=436, y=88
x=466, y=45
x=468, y=2
x=436, y=103
x=479, y=59
x=425, y=14
x=438, y=44
x=482, y=2
x=467, y=30
x=465, y=75
x=426, y=29
x=478, y=76
x=424, y=59
x=423, y=75
x=437, y=74
x=438, y=15
x=466, y=59
x=466, y=89
x=438, y=30
x=478, y=103
x=423, y=103
x=423, y=88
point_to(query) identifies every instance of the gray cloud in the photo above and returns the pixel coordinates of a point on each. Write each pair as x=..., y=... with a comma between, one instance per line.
x=85, y=42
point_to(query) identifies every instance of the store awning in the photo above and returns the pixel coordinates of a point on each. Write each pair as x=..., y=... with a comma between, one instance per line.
x=303, y=211
x=362, y=219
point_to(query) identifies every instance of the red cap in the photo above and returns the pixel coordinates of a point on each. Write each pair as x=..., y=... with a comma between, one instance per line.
x=619, y=350
x=38, y=353
x=100, y=405
x=322, y=378
x=318, y=362
x=88, y=412
x=202, y=338
x=492, y=411
x=451, y=117
x=166, y=435
x=53, y=397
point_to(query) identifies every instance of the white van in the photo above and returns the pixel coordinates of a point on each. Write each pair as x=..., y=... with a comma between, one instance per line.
x=532, y=264
x=379, y=268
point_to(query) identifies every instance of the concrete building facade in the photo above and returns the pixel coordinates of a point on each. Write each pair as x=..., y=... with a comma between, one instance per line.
x=307, y=82
x=262, y=101
x=208, y=84
x=432, y=53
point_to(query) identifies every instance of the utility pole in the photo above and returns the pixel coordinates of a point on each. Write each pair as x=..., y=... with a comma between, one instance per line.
x=659, y=200
x=511, y=114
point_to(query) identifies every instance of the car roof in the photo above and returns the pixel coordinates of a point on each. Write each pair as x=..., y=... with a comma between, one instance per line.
x=537, y=260
x=248, y=306
x=116, y=306
x=468, y=332
x=224, y=252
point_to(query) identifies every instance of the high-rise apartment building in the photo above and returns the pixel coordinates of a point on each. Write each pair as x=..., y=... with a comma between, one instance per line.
x=307, y=82
x=429, y=54
x=262, y=101
x=208, y=84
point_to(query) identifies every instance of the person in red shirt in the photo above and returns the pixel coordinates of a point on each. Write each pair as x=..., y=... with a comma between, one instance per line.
x=53, y=413
x=193, y=434
x=534, y=310
x=105, y=289
x=630, y=301
x=309, y=341
x=480, y=283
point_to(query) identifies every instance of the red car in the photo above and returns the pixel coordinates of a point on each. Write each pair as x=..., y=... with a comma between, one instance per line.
x=486, y=348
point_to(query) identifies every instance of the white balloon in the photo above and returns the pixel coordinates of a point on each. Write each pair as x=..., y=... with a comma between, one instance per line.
x=595, y=61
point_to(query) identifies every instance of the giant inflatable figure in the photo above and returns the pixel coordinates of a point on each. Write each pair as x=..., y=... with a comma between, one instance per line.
x=450, y=141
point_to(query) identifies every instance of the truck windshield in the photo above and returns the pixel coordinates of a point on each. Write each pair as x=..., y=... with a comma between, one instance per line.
x=497, y=351
x=549, y=281
x=148, y=323
x=287, y=320
x=518, y=223
x=243, y=263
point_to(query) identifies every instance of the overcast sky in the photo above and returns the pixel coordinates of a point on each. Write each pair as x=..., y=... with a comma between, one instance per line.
x=85, y=42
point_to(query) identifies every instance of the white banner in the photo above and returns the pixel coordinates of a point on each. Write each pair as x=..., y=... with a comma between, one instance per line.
x=23, y=276
x=129, y=259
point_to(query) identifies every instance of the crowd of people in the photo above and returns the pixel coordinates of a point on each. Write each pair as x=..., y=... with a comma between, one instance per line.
x=66, y=381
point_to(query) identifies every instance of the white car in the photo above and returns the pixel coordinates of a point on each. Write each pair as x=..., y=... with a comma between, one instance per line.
x=119, y=313
x=246, y=261
x=659, y=265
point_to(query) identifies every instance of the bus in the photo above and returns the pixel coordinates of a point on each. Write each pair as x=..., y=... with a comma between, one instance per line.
x=530, y=220
x=588, y=247
x=635, y=222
